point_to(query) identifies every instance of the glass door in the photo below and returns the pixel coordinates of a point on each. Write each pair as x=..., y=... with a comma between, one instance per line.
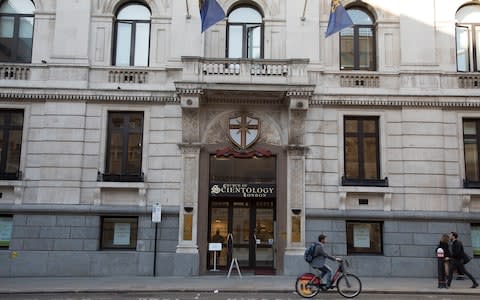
x=248, y=227
x=264, y=235
x=219, y=219
x=241, y=232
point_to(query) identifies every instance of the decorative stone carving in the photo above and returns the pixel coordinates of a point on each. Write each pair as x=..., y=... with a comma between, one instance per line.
x=297, y=127
x=190, y=126
x=217, y=129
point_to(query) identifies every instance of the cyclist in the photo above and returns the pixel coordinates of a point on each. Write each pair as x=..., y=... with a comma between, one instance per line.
x=319, y=260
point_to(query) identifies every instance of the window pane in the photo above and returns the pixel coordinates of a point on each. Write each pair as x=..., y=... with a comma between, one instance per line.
x=351, y=126
x=468, y=14
x=235, y=44
x=142, y=36
x=10, y=141
x=359, y=17
x=2, y=142
x=469, y=127
x=134, y=12
x=134, y=154
x=477, y=46
x=366, y=48
x=125, y=145
x=26, y=28
x=370, y=126
x=347, y=49
x=120, y=233
x=253, y=33
x=17, y=7
x=463, y=60
x=124, y=40
x=245, y=15
x=351, y=157
x=116, y=154
x=364, y=237
x=14, y=149
x=370, y=158
x=7, y=25
x=471, y=160
x=6, y=223
x=476, y=239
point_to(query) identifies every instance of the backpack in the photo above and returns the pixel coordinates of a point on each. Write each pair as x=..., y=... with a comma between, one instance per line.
x=309, y=253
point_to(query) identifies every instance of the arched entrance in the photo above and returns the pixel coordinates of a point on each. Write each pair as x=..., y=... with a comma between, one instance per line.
x=252, y=207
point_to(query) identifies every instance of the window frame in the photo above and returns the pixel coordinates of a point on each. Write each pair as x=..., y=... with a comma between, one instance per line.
x=244, y=26
x=356, y=44
x=16, y=35
x=370, y=250
x=468, y=182
x=133, y=233
x=133, y=23
x=476, y=251
x=6, y=129
x=11, y=231
x=123, y=176
x=473, y=63
x=360, y=135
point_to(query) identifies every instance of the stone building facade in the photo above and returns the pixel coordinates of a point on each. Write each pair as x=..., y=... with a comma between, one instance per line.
x=251, y=138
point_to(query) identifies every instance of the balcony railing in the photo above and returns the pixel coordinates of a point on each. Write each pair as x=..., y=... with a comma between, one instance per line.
x=469, y=81
x=14, y=72
x=245, y=70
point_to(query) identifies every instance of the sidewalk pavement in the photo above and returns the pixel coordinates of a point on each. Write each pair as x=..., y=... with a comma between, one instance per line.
x=216, y=283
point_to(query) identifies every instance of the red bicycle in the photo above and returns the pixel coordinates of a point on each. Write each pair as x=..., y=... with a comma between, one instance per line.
x=348, y=285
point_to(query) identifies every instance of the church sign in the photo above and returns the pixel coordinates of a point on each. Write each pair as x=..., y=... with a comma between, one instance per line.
x=242, y=190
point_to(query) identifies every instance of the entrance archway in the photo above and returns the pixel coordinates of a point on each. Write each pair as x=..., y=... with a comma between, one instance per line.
x=242, y=205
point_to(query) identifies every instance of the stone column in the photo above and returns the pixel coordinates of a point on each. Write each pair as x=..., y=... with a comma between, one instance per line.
x=298, y=102
x=187, y=258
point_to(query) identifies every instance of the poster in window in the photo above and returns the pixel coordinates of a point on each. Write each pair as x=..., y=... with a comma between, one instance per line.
x=361, y=236
x=476, y=240
x=121, y=235
x=5, y=231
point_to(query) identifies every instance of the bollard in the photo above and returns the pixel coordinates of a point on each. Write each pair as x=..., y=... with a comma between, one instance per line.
x=442, y=283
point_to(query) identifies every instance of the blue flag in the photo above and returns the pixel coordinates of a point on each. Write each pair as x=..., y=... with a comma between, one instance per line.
x=210, y=12
x=339, y=19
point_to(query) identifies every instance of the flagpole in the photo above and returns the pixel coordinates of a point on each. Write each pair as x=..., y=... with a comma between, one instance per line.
x=188, y=10
x=304, y=10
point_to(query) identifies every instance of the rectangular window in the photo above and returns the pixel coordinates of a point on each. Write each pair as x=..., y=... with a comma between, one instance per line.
x=364, y=237
x=11, y=128
x=124, y=142
x=361, y=150
x=5, y=231
x=471, y=140
x=476, y=239
x=119, y=232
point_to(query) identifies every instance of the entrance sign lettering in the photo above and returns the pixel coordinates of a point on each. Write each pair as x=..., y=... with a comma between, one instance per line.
x=242, y=190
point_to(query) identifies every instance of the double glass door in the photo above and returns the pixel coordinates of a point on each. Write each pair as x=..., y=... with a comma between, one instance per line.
x=246, y=230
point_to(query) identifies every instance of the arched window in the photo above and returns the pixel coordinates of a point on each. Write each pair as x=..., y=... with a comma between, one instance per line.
x=468, y=38
x=245, y=33
x=357, y=43
x=132, y=36
x=16, y=30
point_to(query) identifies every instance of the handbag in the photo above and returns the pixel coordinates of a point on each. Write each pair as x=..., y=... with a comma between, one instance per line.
x=466, y=258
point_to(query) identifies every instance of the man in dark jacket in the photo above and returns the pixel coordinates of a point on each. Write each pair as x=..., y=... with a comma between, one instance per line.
x=457, y=254
x=320, y=257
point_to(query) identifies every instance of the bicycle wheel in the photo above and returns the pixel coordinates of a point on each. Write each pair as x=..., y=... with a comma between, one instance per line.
x=307, y=285
x=349, y=285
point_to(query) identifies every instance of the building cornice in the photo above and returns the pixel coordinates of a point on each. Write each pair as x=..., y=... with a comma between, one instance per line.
x=398, y=101
x=99, y=96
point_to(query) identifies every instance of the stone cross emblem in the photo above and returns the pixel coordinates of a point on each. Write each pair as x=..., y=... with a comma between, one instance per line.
x=244, y=130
